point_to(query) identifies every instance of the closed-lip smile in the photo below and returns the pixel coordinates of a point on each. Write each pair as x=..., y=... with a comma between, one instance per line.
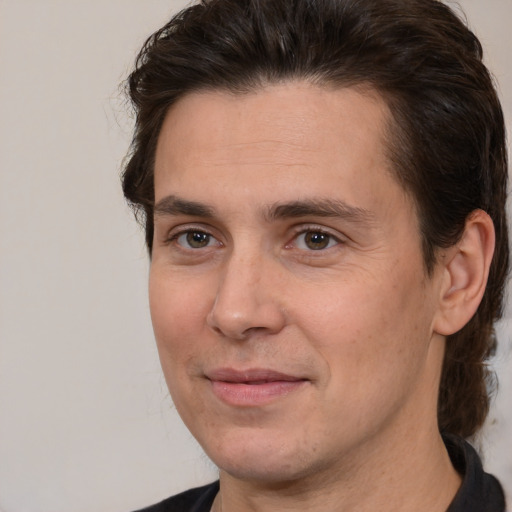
x=252, y=387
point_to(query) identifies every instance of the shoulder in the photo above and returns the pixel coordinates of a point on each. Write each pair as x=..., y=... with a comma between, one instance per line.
x=199, y=499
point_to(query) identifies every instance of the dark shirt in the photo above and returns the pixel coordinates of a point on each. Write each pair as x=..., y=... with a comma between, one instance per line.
x=199, y=499
x=479, y=492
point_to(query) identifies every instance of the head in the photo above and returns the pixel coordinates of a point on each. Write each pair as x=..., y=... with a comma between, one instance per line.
x=444, y=136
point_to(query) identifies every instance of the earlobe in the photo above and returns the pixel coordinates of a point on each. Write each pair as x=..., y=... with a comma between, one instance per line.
x=465, y=272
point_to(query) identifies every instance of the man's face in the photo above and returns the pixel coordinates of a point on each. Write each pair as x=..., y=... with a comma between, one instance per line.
x=290, y=305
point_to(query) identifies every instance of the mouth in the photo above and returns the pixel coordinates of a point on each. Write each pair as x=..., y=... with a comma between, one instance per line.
x=252, y=387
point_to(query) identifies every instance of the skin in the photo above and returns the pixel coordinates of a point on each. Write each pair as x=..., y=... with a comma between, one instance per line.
x=333, y=294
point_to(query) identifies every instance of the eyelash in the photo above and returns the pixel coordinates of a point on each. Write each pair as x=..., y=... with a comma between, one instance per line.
x=332, y=240
x=173, y=238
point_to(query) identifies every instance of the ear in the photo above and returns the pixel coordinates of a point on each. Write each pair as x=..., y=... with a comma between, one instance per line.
x=465, y=269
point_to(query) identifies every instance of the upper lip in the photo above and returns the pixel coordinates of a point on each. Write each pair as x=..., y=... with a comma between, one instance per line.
x=251, y=375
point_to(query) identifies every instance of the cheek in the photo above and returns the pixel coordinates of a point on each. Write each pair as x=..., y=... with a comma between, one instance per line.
x=178, y=313
x=372, y=333
x=375, y=352
x=178, y=317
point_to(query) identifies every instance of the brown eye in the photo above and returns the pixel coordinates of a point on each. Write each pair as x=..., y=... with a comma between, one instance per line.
x=316, y=240
x=197, y=239
x=194, y=239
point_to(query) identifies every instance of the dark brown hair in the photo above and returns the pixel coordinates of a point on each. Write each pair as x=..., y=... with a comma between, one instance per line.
x=446, y=139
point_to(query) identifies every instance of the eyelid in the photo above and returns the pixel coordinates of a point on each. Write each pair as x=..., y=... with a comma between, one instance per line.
x=315, y=228
x=297, y=230
x=174, y=233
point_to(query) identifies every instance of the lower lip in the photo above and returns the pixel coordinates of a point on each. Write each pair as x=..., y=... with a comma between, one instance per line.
x=253, y=395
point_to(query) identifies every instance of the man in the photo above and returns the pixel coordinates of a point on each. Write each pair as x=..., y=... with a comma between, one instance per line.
x=323, y=189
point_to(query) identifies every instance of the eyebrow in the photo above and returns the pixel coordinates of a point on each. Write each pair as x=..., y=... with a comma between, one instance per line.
x=173, y=205
x=320, y=208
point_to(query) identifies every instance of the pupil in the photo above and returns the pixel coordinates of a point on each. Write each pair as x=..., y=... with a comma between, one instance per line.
x=316, y=240
x=197, y=239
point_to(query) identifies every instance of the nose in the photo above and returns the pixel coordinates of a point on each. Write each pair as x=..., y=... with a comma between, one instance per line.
x=247, y=299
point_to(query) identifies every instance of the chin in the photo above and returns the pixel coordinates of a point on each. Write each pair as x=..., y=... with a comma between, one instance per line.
x=264, y=472
x=259, y=458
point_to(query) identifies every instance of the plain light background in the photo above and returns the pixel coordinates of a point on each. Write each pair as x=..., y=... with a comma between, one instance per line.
x=85, y=419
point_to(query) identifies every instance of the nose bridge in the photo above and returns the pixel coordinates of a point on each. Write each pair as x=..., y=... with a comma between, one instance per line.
x=245, y=300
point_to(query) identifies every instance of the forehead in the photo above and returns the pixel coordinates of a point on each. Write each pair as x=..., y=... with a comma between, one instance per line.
x=296, y=137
